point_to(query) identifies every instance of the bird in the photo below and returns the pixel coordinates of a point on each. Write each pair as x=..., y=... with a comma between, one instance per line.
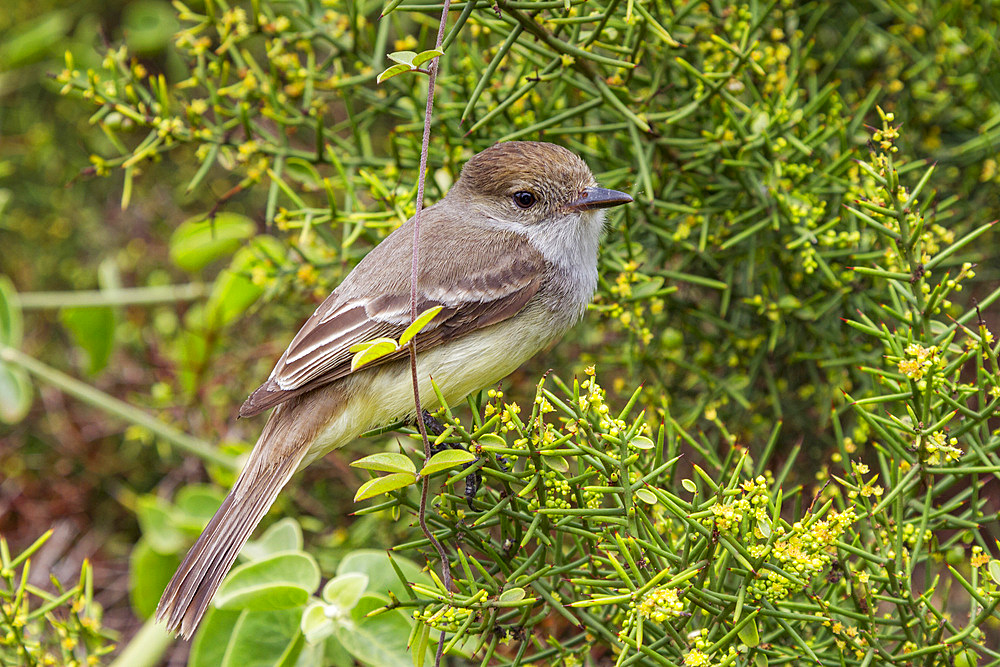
x=509, y=253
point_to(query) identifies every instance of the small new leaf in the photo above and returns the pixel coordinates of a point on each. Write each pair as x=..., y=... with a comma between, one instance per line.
x=642, y=442
x=376, y=350
x=511, y=595
x=449, y=458
x=557, y=463
x=404, y=58
x=422, y=57
x=395, y=70
x=423, y=319
x=380, y=485
x=646, y=496
x=492, y=441
x=386, y=462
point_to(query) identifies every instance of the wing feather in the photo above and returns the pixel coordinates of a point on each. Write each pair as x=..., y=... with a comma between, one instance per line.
x=496, y=285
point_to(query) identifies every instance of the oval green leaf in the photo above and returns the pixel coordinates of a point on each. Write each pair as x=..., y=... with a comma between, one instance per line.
x=198, y=242
x=380, y=485
x=395, y=70
x=646, y=496
x=402, y=57
x=345, y=590
x=748, y=634
x=248, y=639
x=316, y=625
x=689, y=486
x=386, y=462
x=157, y=525
x=281, y=581
x=994, y=568
x=149, y=572
x=423, y=319
x=642, y=442
x=492, y=440
x=511, y=595
x=557, y=463
x=233, y=290
x=376, y=350
x=283, y=536
x=420, y=58
x=449, y=458
x=377, y=640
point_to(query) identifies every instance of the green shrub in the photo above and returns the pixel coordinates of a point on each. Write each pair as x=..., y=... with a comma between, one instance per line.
x=801, y=472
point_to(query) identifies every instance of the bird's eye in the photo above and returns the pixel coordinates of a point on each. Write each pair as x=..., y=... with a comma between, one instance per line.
x=524, y=199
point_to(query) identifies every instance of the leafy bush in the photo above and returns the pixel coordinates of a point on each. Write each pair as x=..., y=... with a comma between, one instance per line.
x=790, y=290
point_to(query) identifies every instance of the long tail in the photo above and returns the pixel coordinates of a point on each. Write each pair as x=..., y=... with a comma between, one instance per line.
x=283, y=444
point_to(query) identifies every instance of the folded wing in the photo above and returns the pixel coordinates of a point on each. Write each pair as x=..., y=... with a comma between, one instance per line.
x=489, y=287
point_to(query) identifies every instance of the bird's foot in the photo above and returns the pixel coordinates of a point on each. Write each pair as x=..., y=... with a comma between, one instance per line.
x=474, y=479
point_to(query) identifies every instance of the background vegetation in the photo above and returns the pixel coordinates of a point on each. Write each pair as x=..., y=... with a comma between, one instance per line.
x=798, y=305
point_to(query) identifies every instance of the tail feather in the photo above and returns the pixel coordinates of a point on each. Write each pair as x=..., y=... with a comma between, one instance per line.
x=193, y=586
x=283, y=444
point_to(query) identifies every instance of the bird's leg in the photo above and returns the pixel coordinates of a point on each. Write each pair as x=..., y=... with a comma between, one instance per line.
x=473, y=480
x=432, y=425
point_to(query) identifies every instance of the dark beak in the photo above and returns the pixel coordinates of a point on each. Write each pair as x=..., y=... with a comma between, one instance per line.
x=592, y=198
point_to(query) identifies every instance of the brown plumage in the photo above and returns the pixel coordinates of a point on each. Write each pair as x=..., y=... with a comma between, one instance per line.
x=511, y=255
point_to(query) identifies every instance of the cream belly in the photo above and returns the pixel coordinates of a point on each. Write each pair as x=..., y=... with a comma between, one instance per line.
x=385, y=393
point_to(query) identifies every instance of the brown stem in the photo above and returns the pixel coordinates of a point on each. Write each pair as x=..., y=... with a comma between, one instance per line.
x=421, y=178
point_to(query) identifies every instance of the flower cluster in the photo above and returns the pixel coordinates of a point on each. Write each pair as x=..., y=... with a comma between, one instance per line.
x=803, y=553
x=660, y=604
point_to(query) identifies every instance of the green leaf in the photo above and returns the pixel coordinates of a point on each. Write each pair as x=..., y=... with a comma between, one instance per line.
x=93, y=329
x=511, y=595
x=403, y=57
x=248, y=639
x=492, y=440
x=642, y=442
x=380, y=485
x=198, y=242
x=994, y=569
x=194, y=506
x=378, y=349
x=315, y=624
x=689, y=486
x=234, y=291
x=345, y=590
x=281, y=581
x=11, y=321
x=283, y=536
x=420, y=58
x=423, y=319
x=646, y=496
x=557, y=463
x=15, y=394
x=377, y=640
x=157, y=525
x=748, y=634
x=395, y=70
x=386, y=462
x=213, y=637
x=149, y=572
x=448, y=458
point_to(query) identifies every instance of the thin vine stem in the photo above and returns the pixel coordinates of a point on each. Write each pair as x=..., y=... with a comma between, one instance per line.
x=432, y=71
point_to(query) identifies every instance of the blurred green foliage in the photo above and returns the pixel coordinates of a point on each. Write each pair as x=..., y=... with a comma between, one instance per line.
x=252, y=160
